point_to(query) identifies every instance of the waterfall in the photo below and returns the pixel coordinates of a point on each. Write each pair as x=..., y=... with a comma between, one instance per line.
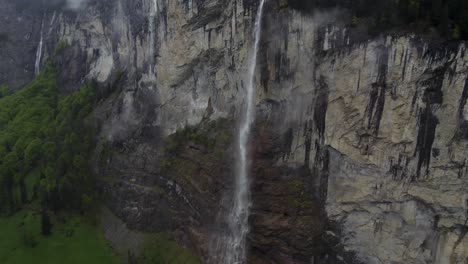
x=235, y=248
x=37, y=64
x=52, y=20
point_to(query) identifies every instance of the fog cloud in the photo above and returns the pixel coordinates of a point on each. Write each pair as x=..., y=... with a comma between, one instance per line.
x=75, y=4
x=41, y=5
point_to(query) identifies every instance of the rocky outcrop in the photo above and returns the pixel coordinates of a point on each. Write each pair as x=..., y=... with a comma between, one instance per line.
x=400, y=175
x=396, y=170
x=359, y=149
x=379, y=124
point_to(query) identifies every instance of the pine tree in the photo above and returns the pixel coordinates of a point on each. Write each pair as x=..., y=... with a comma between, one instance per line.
x=444, y=25
x=46, y=225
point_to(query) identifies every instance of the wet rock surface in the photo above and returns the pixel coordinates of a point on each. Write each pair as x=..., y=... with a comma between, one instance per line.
x=286, y=216
x=359, y=149
x=19, y=38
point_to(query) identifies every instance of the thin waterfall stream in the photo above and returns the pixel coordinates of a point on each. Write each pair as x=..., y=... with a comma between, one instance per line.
x=238, y=220
x=37, y=64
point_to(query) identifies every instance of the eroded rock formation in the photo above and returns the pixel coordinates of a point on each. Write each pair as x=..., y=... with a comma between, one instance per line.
x=360, y=144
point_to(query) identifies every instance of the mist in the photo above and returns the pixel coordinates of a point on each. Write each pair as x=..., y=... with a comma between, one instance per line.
x=35, y=5
x=75, y=4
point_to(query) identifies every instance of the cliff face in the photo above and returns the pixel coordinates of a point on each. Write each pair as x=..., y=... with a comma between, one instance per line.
x=395, y=123
x=19, y=39
x=359, y=149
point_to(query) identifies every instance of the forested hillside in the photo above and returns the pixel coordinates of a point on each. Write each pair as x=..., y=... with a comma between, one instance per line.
x=44, y=143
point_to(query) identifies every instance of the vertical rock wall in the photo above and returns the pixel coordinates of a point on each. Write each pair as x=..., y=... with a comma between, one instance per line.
x=360, y=146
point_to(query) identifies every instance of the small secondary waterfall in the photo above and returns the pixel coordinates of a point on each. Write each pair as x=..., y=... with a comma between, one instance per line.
x=37, y=64
x=52, y=21
x=235, y=248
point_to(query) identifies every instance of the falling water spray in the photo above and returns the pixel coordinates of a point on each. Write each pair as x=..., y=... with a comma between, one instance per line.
x=37, y=64
x=235, y=248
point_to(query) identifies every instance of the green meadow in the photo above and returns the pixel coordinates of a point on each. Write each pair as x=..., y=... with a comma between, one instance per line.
x=72, y=240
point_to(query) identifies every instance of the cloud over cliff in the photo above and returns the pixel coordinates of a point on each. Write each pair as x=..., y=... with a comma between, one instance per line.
x=75, y=4
x=39, y=6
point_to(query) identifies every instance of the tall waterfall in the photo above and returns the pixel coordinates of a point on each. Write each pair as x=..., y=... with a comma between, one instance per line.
x=37, y=64
x=239, y=215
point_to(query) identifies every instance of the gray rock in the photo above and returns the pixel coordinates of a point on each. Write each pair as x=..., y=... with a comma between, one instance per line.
x=374, y=129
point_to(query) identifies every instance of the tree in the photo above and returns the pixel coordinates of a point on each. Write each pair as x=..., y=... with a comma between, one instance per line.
x=456, y=32
x=4, y=91
x=32, y=152
x=436, y=11
x=444, y=26
x=414, y=9
x=46, y=225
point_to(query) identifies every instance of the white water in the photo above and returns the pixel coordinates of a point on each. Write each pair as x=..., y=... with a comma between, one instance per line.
x=235, y=250
x=52, y=20
x=37, y=64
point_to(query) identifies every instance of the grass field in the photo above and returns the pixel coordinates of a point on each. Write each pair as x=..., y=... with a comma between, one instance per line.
x=160, y=249
x=73, y=241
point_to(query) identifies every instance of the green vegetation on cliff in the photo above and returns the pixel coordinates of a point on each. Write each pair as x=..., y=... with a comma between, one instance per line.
x=44, y=144
x=160, y=249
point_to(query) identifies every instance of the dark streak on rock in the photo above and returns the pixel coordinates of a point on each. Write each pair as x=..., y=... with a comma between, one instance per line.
x=207, y=12
x=435, y=152
x=288, y=138
x=433, y=92
x=427, y=127
x=321, y=107
x=308, y=143
x=405, y=61
x=399, y=169
x=462, y=132
x=376, y=104
x=428, y=122
x=359, y=81
x=264, y=66
x=325, y=160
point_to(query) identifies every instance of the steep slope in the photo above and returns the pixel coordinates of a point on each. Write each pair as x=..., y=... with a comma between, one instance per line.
x=359, y=145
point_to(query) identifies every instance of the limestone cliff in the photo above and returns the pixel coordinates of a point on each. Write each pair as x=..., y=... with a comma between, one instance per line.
x=360, y=143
